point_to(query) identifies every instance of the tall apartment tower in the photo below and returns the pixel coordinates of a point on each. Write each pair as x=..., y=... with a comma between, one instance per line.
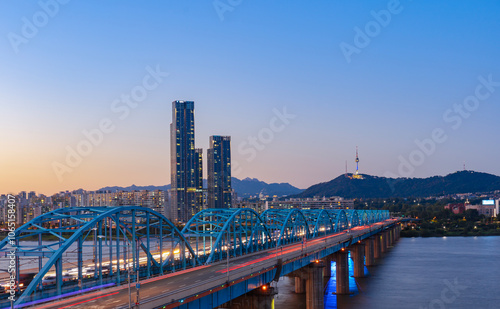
x=198, y=170
x=184, y=165
x=219, y=172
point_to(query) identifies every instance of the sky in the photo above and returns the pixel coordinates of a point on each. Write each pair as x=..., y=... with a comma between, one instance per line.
x=86, y=88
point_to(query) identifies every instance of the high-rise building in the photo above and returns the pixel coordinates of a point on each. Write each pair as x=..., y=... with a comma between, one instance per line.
x=219, y=172
x=198, y=177
x=183, y=165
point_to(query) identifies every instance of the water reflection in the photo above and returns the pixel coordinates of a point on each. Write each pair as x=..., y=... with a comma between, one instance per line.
x=416, y=273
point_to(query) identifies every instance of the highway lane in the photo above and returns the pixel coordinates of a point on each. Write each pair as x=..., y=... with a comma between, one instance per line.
x=199, y=279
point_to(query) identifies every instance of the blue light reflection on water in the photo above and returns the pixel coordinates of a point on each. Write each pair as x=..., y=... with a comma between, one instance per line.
x=330, y=289
x=416, y=273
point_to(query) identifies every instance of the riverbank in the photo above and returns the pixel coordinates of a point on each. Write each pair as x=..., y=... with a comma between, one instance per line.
x=419, y=232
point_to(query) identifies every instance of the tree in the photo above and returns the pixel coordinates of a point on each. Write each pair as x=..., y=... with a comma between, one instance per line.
x=471, y=215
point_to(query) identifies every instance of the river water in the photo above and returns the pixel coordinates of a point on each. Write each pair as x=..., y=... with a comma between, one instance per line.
x=447, y=272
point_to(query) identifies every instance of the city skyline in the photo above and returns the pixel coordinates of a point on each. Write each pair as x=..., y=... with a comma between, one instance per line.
x=300, y=86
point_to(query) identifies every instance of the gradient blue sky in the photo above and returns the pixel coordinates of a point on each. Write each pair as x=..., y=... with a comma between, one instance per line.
x=264, y=55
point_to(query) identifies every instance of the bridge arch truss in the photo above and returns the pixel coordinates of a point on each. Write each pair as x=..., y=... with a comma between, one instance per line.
x=107, y=244
x=113, y=245
x=219, y=233
x=286, y=226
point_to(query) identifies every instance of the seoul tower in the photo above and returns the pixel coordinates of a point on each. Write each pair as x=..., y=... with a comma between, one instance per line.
x=356, y=175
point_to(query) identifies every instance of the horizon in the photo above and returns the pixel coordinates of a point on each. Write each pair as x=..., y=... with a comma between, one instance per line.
x=268, y=183
x=298, y=87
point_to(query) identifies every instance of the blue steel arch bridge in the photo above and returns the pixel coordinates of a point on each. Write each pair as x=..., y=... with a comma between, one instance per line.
x=74, y=250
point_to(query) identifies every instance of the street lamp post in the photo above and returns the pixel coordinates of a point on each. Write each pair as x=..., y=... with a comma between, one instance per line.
x=95, y=253
x=137, y=284
x=227, y=257
x=127, y=249
x=100, y=258
x=305, y=241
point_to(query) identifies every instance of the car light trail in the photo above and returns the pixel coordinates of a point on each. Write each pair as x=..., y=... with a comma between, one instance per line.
x=85, y=301
x=123, y=287
x=65, y=295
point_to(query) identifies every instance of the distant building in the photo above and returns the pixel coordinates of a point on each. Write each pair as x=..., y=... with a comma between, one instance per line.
x=258, y=206
x=22, y=195
x=31, y=194
x=456, y=208
x=486, y=210
x=183, y=163
x=219, y=172
x=493, y=202
x=333, y=202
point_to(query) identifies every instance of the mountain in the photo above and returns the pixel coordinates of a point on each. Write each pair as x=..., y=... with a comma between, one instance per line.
x=382, y=187
x=251, y=186
x=245, y=188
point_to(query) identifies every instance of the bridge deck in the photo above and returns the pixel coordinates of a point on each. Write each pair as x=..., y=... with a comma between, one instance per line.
x=205, y=280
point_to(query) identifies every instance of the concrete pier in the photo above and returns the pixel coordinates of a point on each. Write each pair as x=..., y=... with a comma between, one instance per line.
x=358, y=258
x=342, y=270
x=377, y=247
x=369, y=252
x=310, y=280
x=327, y=261
x=314, y=286
x=300, y=285
x=383, y=242
x=261, y=298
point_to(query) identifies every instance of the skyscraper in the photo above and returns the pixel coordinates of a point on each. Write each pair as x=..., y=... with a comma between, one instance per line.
x=198, y=170
x=183, y=164
x=219, y=172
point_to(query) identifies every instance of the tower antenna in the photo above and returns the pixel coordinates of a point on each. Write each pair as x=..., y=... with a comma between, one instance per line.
x=357, y=159
x=356, y=175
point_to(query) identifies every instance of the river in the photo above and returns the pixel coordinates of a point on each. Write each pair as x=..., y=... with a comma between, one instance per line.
x=420, y=273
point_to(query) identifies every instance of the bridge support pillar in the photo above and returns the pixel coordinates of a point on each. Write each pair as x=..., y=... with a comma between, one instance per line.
x=398, y=231
x=342, y=269
x=262, y=297
x=369, y=252
x=391, y=237
x=377, y=247
x=383, y=242
x=358, y=258
x=300, y=285
x=314, y=286
x=327, y=260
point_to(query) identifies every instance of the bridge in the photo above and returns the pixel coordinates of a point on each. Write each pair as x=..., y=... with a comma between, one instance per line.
x=124, y=257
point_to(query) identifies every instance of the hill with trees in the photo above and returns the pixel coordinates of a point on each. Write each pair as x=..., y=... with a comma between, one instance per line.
x=382, y=187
